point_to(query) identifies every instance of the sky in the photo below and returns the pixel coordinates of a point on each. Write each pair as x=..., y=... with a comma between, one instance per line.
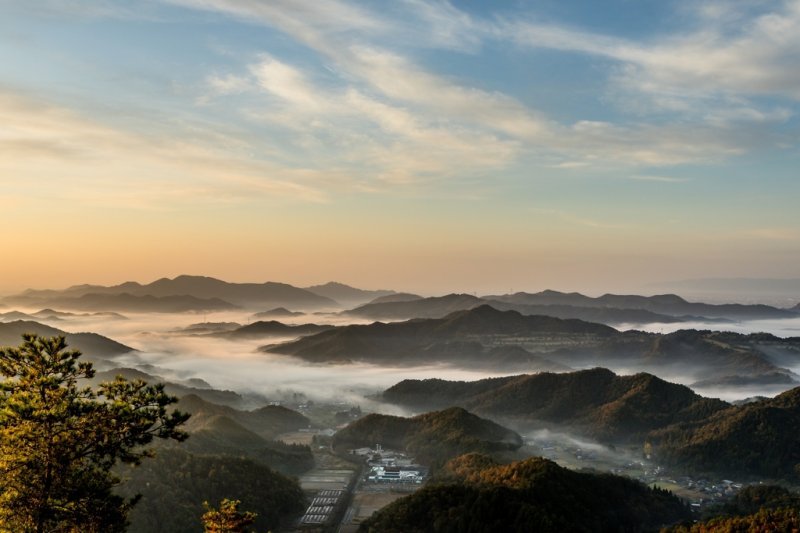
x=427, y=146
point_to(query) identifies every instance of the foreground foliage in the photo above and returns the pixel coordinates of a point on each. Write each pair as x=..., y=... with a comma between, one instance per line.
x=59, y=442
x=754, y=508
x=227, y=519
x=475, y=494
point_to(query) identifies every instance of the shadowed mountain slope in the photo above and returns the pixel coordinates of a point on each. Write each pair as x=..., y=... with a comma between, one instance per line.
x=755, y=439
x=596, y=402
x=466, y=339
x=90, y=344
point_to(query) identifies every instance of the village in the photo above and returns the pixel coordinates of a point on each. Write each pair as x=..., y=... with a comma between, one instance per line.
x=344, y=489
x=699, y=492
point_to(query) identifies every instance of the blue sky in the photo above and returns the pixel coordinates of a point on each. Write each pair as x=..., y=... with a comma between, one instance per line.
x=420, y=145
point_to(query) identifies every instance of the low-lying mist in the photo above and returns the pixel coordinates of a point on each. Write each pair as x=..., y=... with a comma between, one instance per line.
x=784, y=327
x=237, y=365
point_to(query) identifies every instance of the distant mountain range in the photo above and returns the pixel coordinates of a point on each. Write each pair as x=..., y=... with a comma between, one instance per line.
x=483, y=336
x=278, y=312
x=52, y=315
x=596, y=403
x=198, y=293
x=139, y=304
x=346, y=295
x=667, y=304
x=204, y=328
x=475, y=493
x=201, y=293
x=272, y=328
x=432, y=438
x=608, y=309
x=91, y=344
x=735, y=288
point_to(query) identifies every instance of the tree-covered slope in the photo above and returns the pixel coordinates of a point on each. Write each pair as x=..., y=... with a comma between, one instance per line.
x=595, y=402
x=475, y=494
x=174, y=485
x=431, y=437
x=756, y=439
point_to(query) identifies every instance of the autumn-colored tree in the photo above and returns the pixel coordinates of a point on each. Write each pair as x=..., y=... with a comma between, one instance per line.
x=59, y=440
x=227, y=519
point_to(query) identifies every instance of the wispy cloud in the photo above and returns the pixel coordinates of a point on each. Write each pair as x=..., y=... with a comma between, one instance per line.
x=50, y=145
x=675, y=72
x=754, y=56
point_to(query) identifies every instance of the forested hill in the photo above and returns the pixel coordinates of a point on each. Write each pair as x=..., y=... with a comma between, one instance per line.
x=463, y=337
x=756, y=439
x=594, y=402
x=468, y=338
x=478, y=495
x=432, y=437
x=174, y=485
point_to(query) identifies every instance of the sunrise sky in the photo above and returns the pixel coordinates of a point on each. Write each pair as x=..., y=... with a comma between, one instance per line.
x=413, y=145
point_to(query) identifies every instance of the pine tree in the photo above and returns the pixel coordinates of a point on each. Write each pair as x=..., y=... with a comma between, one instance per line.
x=59, y=440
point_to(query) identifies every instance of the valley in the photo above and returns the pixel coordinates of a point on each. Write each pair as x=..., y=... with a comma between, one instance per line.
x=294, y=392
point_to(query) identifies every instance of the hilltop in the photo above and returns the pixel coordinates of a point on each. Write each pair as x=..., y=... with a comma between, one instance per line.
x=475, y=493
x=431, y=438
x=595, y=403
x=272, y=328
x=345, y=294
x=278, y=312
x=92, y=345
x=755, y=439
x=471, y=338
x=454, y=339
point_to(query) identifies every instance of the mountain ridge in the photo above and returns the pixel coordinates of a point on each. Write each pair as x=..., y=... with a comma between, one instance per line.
x=202, y=287
x=597, y=403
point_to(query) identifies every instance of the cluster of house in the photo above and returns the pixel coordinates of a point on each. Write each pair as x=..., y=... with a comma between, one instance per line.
x=389, y=466
x=396, y=474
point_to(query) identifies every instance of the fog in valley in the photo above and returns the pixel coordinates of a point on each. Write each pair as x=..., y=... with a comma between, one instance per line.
x=162, y=350
x=234, y=364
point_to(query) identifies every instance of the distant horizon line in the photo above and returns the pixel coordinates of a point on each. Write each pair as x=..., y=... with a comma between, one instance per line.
x=715, y=284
